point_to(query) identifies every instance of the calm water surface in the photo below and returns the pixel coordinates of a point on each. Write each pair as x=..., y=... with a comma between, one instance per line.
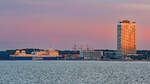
x=74, y=72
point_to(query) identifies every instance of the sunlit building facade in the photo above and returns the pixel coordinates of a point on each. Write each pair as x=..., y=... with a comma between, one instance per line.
x=126, y=38
x=48, y=53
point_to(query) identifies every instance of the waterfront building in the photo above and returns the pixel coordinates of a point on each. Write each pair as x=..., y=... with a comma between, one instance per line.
x=47, y=53
x=53, y=53
x=91, y=54
x=108, y=54
x=143, y=54
x=126, y=38
x=70, y=54
x=20, y=53
x=37, y=55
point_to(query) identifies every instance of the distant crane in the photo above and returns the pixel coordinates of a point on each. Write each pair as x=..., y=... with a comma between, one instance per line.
x=75, y=46
x=87, y=47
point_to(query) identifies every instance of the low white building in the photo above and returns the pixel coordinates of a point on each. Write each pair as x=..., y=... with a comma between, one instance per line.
x=47, y=53
x=91, y=54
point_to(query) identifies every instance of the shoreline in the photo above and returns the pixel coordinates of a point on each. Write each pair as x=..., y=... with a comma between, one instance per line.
x=85, y=60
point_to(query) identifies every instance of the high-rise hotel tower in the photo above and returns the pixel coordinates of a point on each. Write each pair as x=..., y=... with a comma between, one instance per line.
x=126, y=38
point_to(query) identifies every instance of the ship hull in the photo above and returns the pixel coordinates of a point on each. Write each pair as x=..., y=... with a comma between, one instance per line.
x=36, y=58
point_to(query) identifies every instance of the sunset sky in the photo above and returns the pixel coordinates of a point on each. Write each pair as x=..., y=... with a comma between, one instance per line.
x=61, y=23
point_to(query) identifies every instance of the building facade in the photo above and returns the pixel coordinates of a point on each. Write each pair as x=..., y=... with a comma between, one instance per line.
x=126, y=38
x=47, y=53
x=91, y=54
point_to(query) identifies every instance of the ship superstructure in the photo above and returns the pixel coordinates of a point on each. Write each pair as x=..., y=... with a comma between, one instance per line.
x=50, y=54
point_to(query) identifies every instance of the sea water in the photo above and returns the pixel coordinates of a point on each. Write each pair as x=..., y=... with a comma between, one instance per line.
x=74, y=72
